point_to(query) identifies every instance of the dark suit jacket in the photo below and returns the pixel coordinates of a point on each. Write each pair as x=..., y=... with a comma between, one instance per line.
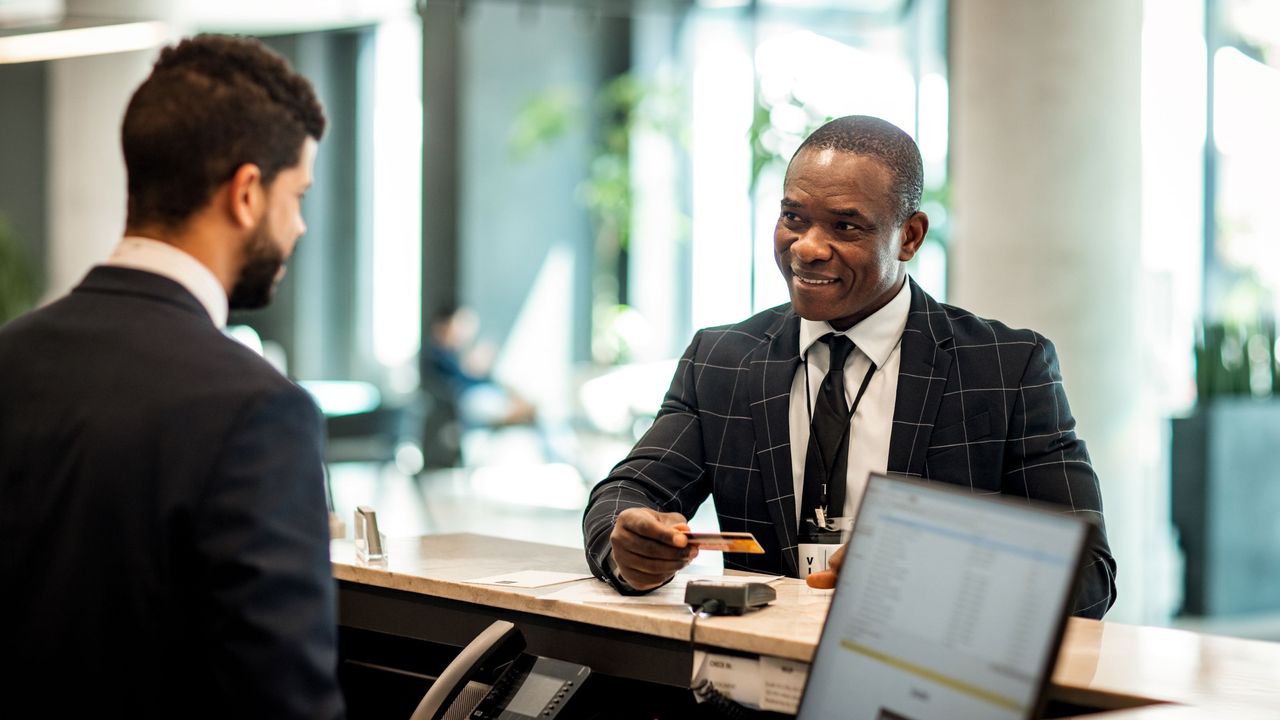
x=163, y=529
x=978, y=405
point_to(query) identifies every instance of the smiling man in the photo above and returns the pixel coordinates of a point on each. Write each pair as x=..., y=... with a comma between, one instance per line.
x=782, y=417
x=163, y=530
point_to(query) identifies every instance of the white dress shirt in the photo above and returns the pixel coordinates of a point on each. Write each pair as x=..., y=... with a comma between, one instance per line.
x=163, y=259
x=876, y=339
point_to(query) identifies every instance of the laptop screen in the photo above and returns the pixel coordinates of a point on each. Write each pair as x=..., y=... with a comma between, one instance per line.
x=949, y=605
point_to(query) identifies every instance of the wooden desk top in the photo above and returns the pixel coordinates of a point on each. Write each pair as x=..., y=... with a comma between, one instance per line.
x=1101, y=664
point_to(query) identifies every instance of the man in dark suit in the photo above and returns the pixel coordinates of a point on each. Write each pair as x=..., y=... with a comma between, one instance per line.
x=163, y=529
x=923, y=389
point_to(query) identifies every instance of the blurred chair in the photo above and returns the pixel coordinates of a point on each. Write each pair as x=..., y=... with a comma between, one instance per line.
x=441, y=434
x=361, y=427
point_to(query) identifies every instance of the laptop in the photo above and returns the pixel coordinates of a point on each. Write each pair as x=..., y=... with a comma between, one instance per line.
x=949, y=605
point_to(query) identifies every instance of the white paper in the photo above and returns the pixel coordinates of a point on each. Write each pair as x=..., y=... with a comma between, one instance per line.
x=600, y=592
x=670, y=594
x=683, y=578
x=766, y=683
x=737, y=678
x=529, y=578
x=783, y=682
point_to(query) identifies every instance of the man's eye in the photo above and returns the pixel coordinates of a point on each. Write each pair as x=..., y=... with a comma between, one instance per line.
x=790, y=216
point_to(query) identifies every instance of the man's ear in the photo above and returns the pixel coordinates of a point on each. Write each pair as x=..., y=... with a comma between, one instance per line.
x=245, y=196
x=913, y=232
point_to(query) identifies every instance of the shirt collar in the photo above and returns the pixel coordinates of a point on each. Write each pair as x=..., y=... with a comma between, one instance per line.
x=876, y=336
x=161, y=258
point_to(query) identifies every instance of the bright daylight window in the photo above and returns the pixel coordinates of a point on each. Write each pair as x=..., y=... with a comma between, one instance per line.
x=397, y=197
x=1238, y=348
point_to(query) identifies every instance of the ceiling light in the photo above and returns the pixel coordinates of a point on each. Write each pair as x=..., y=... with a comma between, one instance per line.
x=59, y=42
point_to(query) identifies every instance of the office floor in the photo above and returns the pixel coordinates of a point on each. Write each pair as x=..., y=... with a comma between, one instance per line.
x=520, y=503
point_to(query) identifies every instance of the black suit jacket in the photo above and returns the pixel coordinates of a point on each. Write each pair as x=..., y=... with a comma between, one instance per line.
x=978, y=405
x=163, y=527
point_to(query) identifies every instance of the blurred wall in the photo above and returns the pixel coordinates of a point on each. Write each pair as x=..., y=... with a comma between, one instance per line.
x=525, y=238
x=1046, y=166
x=86, y=178
x=24, y=88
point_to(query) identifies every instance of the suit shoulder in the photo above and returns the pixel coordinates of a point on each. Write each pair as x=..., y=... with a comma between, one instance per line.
x=730, y=344
x=30, y=321
x=968, y=328
x=253, y=394
x=758, y=327
x=245, y=371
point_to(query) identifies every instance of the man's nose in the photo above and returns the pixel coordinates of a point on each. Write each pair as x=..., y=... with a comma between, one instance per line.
x=811, y=246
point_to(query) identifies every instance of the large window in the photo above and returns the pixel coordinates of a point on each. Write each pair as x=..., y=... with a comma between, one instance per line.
x=1245, y=235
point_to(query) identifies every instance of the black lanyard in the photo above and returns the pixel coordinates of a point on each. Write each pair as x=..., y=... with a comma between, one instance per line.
x=823, y=498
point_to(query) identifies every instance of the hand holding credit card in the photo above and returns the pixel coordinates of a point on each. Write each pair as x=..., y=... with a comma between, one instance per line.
x=734, y=542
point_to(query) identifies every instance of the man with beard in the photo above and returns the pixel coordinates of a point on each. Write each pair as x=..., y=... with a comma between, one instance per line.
x=163, y=529
x=782, y=417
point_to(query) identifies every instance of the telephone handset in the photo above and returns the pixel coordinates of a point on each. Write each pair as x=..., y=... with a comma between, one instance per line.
x=526, y=687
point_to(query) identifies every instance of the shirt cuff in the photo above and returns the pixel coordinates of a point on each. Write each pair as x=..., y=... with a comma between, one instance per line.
x=615, y=572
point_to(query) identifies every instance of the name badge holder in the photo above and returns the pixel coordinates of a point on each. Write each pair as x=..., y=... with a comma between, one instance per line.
x=818, y=544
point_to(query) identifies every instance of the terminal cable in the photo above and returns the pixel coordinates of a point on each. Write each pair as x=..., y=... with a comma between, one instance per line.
x=705, y=691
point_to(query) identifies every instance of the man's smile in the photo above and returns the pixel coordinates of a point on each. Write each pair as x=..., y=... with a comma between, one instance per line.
x=811, y=279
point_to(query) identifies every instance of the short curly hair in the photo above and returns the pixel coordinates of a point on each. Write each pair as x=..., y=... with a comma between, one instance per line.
x=211, y=104
x=884, y=141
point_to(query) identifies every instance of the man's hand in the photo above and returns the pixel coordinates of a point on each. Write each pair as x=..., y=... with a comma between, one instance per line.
x=650, y=546
x=826, y=579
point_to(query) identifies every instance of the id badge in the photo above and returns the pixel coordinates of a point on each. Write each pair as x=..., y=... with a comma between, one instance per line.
x=813, y=557
x=817, y=546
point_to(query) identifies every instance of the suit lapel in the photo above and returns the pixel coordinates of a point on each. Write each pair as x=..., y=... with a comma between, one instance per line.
x=773, y=367
x=922, y=378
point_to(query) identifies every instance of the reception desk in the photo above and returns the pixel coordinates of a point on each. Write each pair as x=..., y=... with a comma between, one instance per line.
x=421, y=592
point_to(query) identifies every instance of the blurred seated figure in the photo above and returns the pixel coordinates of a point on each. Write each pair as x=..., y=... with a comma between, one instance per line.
x=491, y=423
x=465, y=368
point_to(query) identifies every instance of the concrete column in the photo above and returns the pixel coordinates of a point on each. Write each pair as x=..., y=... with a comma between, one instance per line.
x=85, y=176
x=1046, y=173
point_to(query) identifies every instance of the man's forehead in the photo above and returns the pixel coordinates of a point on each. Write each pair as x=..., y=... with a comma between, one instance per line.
x=820, y=158
x=820, y=155
x=829, y=165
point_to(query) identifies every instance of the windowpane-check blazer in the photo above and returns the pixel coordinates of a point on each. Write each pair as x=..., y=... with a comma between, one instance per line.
x=978, y=404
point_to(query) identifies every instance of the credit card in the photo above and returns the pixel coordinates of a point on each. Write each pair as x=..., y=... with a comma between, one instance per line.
x=734, y=542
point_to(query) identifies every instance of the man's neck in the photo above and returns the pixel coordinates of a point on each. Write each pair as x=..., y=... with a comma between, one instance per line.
x=842, y=324
x=200, y=243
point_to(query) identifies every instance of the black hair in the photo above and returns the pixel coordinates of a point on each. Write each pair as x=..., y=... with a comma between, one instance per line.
x=211, y=104
x=884, y=141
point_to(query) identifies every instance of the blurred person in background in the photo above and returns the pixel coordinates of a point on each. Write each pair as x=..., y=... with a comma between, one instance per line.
x=466, y=368
x=463, y=370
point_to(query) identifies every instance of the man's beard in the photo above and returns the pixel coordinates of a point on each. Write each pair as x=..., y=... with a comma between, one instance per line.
x=257, y=281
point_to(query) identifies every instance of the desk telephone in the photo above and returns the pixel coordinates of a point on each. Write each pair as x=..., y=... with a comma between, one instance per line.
x=494, y=679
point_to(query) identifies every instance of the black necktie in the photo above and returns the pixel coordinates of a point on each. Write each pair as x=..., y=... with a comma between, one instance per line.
x=827, y=459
